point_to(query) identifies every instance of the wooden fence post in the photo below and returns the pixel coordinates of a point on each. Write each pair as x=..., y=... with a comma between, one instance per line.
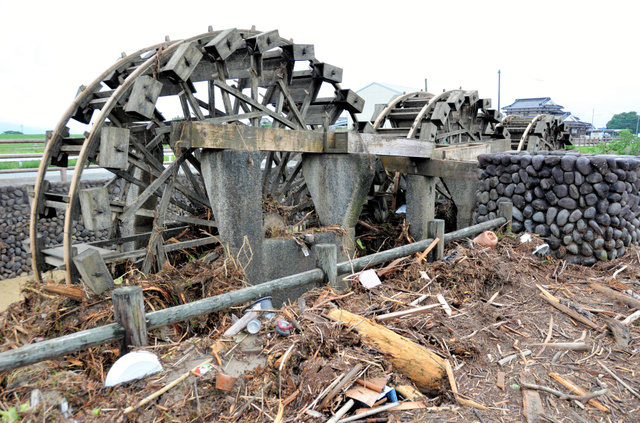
x=327, y=259
x=128, y=310
x=435, y=229
x=505, y=209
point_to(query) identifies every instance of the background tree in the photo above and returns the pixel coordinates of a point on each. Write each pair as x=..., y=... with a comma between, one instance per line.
x=628, y=120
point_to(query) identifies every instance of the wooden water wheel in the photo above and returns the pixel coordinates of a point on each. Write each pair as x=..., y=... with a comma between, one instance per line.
x=452, y=117
x=230, y=77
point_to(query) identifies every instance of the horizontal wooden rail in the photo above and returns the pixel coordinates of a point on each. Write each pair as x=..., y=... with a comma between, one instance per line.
x=44, y=350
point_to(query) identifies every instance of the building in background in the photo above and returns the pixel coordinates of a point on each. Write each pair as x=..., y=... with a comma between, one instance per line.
x=377, y=93
x=532, y=107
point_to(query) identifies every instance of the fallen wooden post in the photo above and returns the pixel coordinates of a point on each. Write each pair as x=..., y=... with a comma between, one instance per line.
x=424, y=367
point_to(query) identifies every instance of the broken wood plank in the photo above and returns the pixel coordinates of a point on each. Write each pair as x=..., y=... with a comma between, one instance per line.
x=572, y=313
x=625, y=299
x=578, y=390
x=423, y=367
x=396, y=314
x=76, y=294
x=532, y=405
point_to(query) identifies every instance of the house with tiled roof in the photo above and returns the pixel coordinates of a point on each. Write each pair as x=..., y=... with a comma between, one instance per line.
x=532, y=107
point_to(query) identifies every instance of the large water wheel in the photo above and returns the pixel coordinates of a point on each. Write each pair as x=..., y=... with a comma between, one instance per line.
x=451, y=117
x=542, y=132
x=155, y=194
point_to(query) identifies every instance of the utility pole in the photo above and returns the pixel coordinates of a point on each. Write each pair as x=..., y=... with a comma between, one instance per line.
x=425, y=85
x=498, y=90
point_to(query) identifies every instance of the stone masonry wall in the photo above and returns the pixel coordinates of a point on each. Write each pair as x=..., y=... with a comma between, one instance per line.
x=15, y=258
x=585, y=207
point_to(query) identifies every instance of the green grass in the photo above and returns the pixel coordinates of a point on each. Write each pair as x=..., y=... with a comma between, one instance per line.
x=22, y=136
x=29, y=164
x=585, y=150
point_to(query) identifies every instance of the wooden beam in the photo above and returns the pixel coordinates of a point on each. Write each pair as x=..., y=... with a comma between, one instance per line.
x=465, y=170
x=205, y=135
x=239, y=137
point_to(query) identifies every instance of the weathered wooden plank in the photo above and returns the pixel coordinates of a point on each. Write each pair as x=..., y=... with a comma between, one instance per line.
x=93, y=270
x=150, y=190
x=300, y=52
x=388, y=146
x=204, y=135
x=465, y=152
x=114, y=147
x=328, y=72
x=264, y=41
x=225, y=43
x=144, y=94
x=182, y=63
x=95, y=207
x=464, y=170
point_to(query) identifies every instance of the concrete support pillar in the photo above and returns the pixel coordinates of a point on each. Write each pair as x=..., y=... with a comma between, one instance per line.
x=339, y=184
x=232, y=178
x=463, y=193
x=421, y=204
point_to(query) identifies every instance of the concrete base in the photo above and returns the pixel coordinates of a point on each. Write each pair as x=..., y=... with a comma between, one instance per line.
x=463, y=193
x=284, y=257
x=339, y=184
x=232, y=178
x=421, y=203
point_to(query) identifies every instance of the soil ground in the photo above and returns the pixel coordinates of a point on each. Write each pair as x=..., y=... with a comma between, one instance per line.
x=498, y=310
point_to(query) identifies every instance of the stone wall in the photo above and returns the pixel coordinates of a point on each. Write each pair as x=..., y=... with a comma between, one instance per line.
x=585, y=207
x=15, y=258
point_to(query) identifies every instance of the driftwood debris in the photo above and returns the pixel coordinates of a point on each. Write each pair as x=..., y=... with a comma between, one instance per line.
x=423, y=367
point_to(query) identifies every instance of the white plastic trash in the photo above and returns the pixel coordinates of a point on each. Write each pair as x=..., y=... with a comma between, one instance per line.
x=134, y=365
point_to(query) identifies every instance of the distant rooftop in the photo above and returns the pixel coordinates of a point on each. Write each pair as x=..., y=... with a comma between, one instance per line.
x=544, y=104
x=398, y=89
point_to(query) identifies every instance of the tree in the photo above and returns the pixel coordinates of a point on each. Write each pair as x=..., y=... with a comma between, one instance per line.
x=628, y=120
x=12, y=133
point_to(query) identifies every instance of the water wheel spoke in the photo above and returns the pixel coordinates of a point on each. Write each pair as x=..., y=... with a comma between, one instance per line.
x=292, y=105
x=130, y=210
x=192, y=100
x=255, y=104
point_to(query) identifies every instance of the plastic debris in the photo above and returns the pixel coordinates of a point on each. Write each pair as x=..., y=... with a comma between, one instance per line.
x=525, y=238
x=134, y=365
x=542, y=249
x=283, y=327
x=204, y=369
x=369, y=279
x=254, y=326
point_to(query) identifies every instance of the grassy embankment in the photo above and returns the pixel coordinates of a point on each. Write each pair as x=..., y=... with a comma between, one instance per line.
x=30, y=148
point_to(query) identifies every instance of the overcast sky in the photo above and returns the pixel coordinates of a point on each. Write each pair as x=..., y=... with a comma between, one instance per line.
x=582, y=54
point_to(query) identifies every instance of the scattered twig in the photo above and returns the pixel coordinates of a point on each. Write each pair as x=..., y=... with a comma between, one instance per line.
x=162, y=390
x=509, y=358
x=616, y=377
x=578, y=390
x=560, y=395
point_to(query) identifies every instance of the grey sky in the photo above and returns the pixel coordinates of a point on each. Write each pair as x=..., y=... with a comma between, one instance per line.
x=578, y=53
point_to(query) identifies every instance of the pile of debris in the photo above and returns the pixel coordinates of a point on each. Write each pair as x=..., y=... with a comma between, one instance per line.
x=487, y=334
